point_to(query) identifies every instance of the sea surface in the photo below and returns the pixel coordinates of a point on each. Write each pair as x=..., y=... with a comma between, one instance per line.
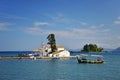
x=60, y=69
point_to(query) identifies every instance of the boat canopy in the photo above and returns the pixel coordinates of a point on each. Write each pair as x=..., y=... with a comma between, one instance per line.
x=90, y=55
x=97, y=55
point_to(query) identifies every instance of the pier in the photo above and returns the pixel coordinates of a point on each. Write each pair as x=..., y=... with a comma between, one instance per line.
x=19, y=58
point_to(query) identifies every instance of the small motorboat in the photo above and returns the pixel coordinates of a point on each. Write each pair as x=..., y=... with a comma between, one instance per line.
x=83, y=59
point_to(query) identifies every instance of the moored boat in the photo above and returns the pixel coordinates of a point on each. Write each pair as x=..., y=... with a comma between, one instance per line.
x=83, y=59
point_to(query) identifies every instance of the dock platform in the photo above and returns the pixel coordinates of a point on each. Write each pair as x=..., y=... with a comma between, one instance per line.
x=18, y=58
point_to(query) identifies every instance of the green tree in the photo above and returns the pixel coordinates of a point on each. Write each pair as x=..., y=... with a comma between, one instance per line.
x=95, y=47
x=52, y=42
x=91, y=47
x=100, y=49
x=87, y=48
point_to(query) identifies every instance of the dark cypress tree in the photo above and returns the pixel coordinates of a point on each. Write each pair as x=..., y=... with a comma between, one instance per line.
x=52, y=42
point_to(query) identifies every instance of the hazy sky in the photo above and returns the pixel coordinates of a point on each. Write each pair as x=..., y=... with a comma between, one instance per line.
x=25, y=23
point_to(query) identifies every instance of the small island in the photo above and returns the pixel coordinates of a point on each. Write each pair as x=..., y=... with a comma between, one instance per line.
x=91, y=48
x=52, y=50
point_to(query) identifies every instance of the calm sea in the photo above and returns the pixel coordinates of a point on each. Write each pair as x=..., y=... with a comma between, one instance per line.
x=60, y=69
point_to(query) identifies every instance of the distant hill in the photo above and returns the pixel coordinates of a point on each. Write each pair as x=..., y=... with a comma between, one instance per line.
x=117, y=50
x=108, y=49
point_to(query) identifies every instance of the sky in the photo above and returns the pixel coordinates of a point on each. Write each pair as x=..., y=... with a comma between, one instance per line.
x=25, y=24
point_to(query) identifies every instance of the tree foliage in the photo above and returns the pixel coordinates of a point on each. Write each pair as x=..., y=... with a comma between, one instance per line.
x=91, y=48
x=52, y=42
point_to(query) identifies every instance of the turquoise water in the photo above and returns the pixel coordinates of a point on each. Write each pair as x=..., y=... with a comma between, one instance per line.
x=60, y=69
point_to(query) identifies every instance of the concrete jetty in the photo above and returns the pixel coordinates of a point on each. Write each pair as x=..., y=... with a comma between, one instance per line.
x=18, y=58
x=13, y=58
